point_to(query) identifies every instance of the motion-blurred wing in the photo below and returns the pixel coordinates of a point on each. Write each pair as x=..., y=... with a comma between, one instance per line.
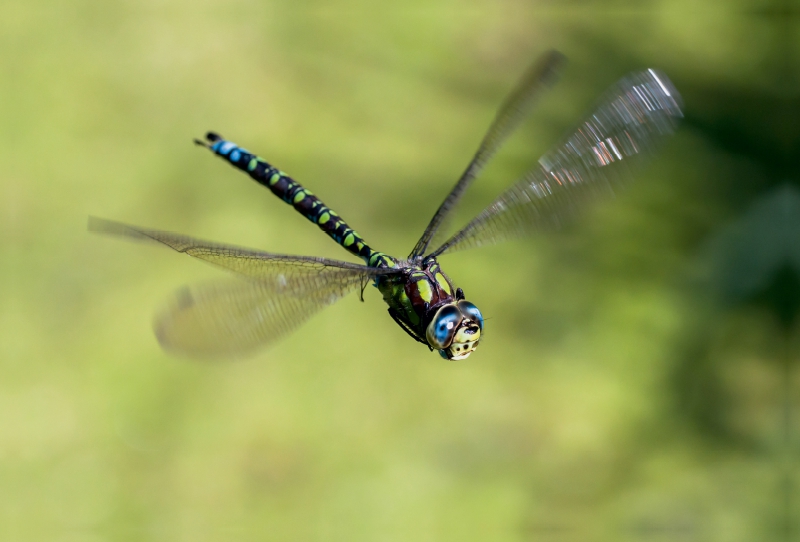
x=632, y=118
x=233, y=318
x=539, y=76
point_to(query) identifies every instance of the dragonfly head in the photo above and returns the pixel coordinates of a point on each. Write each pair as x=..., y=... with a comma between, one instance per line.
x=455, y=329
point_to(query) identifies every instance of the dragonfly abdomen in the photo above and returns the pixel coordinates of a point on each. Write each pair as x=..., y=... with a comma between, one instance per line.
x=303, y=200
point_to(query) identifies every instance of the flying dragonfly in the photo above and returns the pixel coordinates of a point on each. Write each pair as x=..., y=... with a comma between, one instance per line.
x=234, y=318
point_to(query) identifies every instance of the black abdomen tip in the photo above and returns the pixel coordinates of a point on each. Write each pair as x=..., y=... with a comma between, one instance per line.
x=213, y=136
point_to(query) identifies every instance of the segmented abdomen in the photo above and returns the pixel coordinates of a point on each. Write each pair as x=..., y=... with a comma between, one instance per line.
x=306, y=203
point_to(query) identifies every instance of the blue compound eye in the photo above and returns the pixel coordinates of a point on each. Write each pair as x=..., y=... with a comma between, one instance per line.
x=471, y=311
x=443, y=327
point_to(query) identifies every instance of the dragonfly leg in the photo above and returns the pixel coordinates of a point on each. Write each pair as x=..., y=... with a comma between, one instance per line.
x=405, y=327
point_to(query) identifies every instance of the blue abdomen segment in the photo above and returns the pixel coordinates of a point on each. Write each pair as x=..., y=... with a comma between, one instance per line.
x=290, y=191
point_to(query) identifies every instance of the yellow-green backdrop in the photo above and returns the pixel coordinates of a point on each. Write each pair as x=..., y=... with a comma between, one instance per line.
x=618, y=395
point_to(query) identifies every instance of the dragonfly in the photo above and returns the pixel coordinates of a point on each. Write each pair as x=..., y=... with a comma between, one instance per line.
x=235, y=318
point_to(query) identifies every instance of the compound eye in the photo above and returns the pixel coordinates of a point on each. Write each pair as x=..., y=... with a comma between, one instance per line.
x=471, y=311
x=443, y=327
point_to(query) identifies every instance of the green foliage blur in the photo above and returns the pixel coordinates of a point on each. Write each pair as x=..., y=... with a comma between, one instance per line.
x=639, y=375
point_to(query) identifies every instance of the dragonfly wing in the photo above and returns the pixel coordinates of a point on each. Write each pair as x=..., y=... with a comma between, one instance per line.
x=306, y=272
x=540, y=75
x=599, y=156
x=231, y=319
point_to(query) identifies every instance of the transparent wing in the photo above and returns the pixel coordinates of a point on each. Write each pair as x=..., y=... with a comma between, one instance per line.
x=233, y=318
x=539, y=76
x=307, y=272
x=629, y=123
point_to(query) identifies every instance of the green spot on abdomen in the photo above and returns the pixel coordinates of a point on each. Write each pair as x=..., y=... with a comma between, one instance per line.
x=324, y=217
x=274, y=179
x=349, y=239
x=252, y=165
x=300, y=196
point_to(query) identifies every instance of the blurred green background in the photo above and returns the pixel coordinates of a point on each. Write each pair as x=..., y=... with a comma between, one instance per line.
x=639, y=377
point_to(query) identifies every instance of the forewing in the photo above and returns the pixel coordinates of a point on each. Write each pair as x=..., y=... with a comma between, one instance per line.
x=304, y=272
x=539, y=76
x=629, y=123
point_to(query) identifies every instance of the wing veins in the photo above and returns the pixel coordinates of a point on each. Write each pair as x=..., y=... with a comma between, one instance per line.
x=540, y=75
x=248, y=262
x=628, y=123
x=232, y=318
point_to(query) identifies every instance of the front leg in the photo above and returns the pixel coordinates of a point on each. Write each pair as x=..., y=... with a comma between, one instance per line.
x=407, y=329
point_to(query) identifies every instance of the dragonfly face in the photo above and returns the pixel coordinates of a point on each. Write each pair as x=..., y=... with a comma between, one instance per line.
x=455, y=330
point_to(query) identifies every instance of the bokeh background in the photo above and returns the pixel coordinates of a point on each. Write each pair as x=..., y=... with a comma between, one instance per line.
x=639, y=377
